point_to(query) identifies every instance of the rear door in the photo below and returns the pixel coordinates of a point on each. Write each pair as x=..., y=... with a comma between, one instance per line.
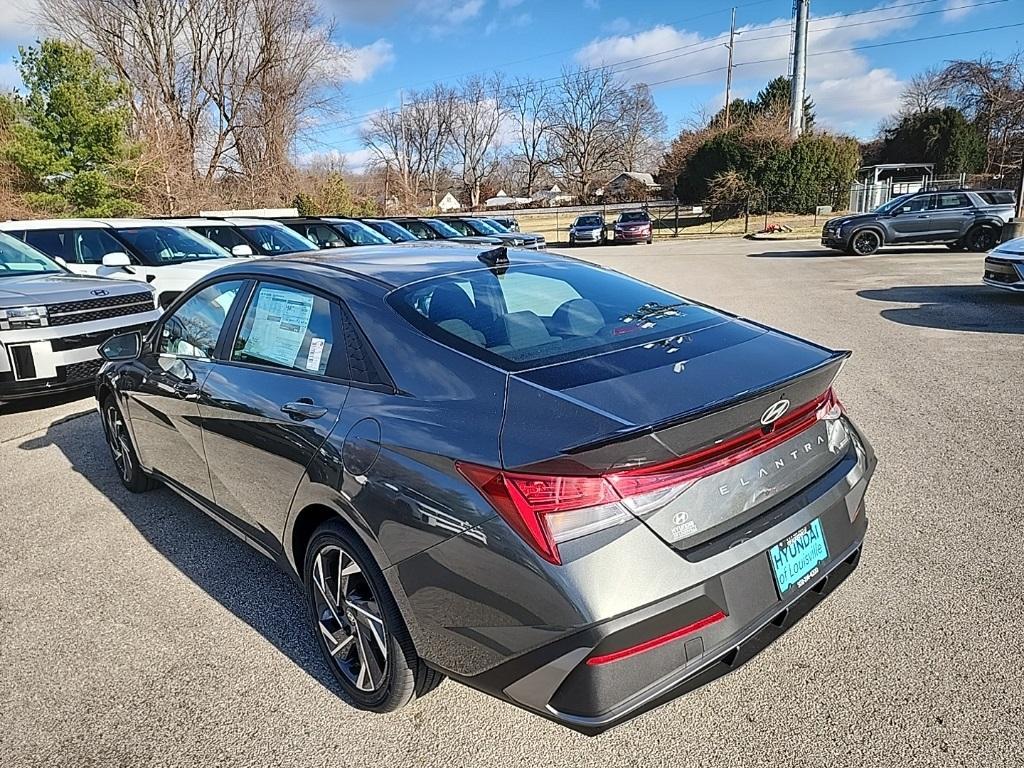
x=270, y=404
x=951, y=215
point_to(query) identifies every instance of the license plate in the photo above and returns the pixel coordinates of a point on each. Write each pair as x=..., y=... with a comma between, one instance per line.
x=796, y=560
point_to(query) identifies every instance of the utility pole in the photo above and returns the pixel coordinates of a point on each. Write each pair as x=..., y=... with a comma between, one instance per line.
x=799, y=84
x=728, y=76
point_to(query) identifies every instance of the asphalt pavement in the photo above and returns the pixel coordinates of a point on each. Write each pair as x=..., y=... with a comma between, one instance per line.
x=135, y=631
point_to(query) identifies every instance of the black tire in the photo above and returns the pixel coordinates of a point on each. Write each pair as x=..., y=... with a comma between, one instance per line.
x=650, y=240
x=957, y=246
x=402, y=676
x=981, y=238
x=864, y=243
x=119, y=443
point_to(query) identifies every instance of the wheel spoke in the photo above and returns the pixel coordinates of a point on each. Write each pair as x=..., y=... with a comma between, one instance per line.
x=321, y=584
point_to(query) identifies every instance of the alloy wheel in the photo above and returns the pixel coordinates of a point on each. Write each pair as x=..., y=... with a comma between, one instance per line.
x=349, y=619
x=117, y=441
x=865, y=243
x=981, y=239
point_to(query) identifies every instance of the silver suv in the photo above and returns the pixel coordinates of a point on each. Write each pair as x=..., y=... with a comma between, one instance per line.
x=52, y=321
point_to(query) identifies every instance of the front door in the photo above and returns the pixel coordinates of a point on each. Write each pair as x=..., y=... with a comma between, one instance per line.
x=911, y=222
x=164, y=409
x=271, y=404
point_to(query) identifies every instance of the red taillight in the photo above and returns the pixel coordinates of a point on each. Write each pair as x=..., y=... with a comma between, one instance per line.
x=656, y=642
x=547, y=509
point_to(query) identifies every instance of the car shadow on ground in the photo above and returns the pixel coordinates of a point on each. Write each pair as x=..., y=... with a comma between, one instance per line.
x=39, y=402
x=828, y=253
x=976, y=308
x=227, y=569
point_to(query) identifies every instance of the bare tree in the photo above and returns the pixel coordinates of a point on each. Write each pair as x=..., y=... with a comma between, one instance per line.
x=226, y=82
x=991, y=93
x=528, y=105
x=924, y=91
x=584, y=123
x=475, y=119
x=642, y=128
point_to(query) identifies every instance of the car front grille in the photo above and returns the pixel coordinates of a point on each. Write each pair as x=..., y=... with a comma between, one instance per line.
x=1001, y=272
x=82, y=340
x=88, y=310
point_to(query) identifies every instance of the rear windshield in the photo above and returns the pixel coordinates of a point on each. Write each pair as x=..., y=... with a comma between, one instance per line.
x=536, y=314
x=274, y=239
x=360, y=234
x=998, y=197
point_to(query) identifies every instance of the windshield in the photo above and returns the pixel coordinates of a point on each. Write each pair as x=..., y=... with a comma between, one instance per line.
x=360, y=234
x=170, y=245
x=273, y=240
x=442, y=229
x=483, y=228
x=16, y=258
x=631, y=216
x=393, y=232
x=496, y=225
x=589, y=221
x=893, y=204
x=535, y=314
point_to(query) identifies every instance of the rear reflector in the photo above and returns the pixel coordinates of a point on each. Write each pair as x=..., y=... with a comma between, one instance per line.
x=656, y=642
x=547, y=509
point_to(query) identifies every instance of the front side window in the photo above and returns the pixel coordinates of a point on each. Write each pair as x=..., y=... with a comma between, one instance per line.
x=917, y=204
x=225, y=237
x=394, y=232
x=91, y=245
x=288, y=328
x=193, y=329
x=171, y=245
x=534, y=314
x=442, y=230
x=323, y=235
x=420, y=230
x=16, y=259
x=461, y=227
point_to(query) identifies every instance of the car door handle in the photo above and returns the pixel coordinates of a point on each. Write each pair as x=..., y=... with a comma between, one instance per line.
x=300, y=410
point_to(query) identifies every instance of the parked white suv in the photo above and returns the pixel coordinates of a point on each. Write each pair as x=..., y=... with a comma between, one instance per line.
x=170, y=258
x=52, y=321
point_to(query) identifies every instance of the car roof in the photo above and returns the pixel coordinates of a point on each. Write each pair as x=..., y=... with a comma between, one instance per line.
x=394, y=265
x=53, y=224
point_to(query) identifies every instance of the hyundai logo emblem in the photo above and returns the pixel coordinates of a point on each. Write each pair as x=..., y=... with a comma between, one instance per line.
x=99, y=292
x=774, y=412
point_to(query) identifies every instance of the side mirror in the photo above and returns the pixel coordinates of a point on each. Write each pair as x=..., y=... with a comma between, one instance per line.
x=123, y=346
x=335, y=244
x=116, y=259
x=241, y=251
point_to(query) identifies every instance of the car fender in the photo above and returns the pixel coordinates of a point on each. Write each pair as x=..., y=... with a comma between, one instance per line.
x=874, y=227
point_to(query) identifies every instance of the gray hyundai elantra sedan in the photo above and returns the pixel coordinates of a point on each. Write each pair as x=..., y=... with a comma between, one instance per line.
x=557, y=484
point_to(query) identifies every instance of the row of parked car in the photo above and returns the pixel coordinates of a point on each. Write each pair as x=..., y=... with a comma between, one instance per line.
x=52, y=317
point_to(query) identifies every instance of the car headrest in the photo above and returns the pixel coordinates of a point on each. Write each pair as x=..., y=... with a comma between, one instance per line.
x=449, y=302
x=577, y=317
x=463, y=330
x=526, y=329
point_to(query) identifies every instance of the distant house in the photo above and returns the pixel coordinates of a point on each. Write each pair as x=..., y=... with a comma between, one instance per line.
x=631, y=180
x=449, y=203
x=553, y=196
x=504, y=200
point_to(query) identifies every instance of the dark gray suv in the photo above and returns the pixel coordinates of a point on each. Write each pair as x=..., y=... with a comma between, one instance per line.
x=962, y=219
x=559, y=485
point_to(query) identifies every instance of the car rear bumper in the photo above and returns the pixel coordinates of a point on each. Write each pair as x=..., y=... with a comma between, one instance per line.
x=562, y=682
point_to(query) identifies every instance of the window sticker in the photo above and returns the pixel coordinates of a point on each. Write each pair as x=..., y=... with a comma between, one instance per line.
x=279, y=326
x=316, y=351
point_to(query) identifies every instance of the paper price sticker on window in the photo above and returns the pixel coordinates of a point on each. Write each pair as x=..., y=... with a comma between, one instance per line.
x=316, y=351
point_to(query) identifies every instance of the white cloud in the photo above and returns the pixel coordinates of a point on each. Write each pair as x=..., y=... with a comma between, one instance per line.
x=354, y=161
x=17, y=21
x=520, y=20
x=956, y=10
x=691, y=58
x=366, y=61
x=450, y=11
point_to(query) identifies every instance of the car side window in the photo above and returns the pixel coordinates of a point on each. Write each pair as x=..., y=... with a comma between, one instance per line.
x=54, y=243
x=947, y=201
x=288, y=328
x=321, y=235
x=194, y=327
x=917, y=204
x=91, y=245
x=225, y=237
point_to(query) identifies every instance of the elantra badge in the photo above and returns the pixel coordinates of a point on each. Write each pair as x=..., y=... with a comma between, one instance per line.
x=775, y=412
x=99, y=292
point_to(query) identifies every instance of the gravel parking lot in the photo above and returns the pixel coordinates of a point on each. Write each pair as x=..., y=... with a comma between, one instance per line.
x=134, y=630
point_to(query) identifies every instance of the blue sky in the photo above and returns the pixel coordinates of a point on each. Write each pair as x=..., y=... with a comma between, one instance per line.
x=408, y=44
